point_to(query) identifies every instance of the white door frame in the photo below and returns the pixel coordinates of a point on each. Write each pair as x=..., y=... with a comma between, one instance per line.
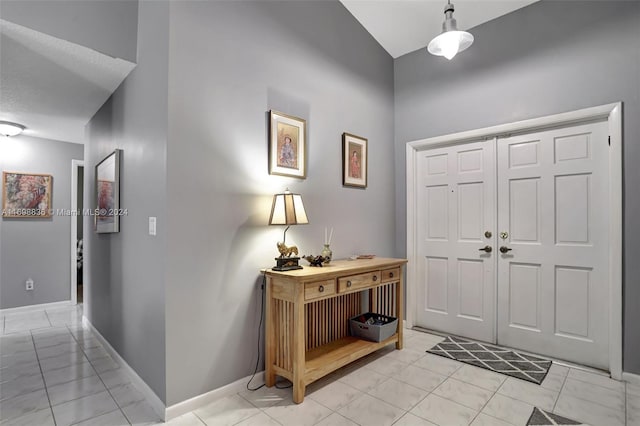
x=75, y=166
x=613, y=114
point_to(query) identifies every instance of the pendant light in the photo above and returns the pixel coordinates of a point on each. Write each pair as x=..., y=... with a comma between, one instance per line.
x=451, y=40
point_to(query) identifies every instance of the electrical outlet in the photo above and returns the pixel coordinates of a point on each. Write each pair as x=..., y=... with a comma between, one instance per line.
x=28, y=284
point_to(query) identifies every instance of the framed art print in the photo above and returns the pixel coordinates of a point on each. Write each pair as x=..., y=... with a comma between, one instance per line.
x=26, y=195
x=107, y=214
x=354, y=161
x=287, y=145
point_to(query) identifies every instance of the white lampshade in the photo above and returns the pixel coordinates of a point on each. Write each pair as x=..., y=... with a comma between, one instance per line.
x=288, y=209
x=8, y=128
x=451, y=41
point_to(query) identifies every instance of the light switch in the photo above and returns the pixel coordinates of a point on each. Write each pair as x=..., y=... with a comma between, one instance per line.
x=152, y=225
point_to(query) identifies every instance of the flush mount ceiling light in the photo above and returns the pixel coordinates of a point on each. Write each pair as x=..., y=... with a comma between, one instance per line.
x=451, y=40
x=8, y=128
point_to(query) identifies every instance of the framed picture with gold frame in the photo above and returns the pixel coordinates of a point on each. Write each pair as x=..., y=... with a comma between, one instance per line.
x=354, y=161
x=26, y=195
x=287, y=145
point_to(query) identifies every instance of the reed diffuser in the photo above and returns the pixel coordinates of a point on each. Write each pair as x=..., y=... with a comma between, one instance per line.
x=326, y=251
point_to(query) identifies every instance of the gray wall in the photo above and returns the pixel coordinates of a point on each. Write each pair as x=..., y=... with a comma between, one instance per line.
x=37, y=248
x=547, y=58
x=108, y=27
x=125, y=288
x=230, y=63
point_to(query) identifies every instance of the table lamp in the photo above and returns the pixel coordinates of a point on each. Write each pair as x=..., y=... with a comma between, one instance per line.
x=287, y=209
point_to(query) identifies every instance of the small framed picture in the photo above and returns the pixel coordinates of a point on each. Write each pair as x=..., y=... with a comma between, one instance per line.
x=26, y=195
x=107, y=214
x=354, y=161
x=287, y=145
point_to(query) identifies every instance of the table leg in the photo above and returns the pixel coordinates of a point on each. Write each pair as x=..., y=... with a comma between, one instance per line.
x=270, y=338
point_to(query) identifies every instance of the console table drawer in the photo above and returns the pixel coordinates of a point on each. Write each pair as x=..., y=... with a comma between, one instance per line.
x=390, y=275
x=357, y=282
x=319, y=289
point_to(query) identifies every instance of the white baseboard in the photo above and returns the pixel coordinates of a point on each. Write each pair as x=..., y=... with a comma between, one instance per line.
x=40, y=307
x=632, y=378
x=196, y=402
x=151, y=397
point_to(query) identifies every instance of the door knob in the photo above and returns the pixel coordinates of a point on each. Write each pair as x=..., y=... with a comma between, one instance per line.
x=504, y=249
x=487, y=234
x=486, y=249
x=504, y=235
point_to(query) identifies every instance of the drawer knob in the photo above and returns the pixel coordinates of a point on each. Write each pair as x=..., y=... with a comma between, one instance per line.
x=321, y=288
x=375, y=278
x=390, y=274
x=348, y=283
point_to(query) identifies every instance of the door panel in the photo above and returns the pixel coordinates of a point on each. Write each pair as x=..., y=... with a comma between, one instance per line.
x=553, y=294
x=456, y=205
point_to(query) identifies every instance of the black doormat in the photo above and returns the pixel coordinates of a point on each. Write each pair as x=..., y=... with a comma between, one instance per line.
x=500, y=360
x=544, y=418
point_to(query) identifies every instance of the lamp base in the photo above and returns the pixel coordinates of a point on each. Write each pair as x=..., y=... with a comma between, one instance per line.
x=286, y=264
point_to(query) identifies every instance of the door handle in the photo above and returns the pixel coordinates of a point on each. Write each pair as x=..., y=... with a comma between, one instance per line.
x=505, y=249
x=486, y=249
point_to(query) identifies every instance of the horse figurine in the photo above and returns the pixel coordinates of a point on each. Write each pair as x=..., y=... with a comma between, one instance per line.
x=287, y=251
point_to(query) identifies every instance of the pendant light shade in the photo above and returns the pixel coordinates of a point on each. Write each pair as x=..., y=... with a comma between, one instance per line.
x=451, y=40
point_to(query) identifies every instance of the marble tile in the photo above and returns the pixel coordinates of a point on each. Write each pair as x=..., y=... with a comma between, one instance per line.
x=553, y=382
x=387, y=366
x=96, y=353
x=399, y=394
x=438, y=364
x=402, y=355
x=596, y=379
x=24, y=404
x=633, y=389
x=226, y=411
x=76, y=389
x=508, y=409
x=88, y=342
x=335, y=419
x=112, y=418
x=24, y=370
x=485, y=420
x=633, y=401
x=113, y=378
x=17, y=362
x=189, y=419
x=530, y=393
x=58, y=318
x=83, y=408
x=57, y=350
x=53, y=339
x=558, y=369
x=126, y=394
x=309, y=412
x=266, y=397
x=25, y=321
x=480, y=377
x=463, y=393
x=412, y=420
x=20, y=386
x=588, y=412
x=367, y=410
x=260, y=419
x=335, y=395
x=42, y=417
x=597, y=394
x=68, y=374
x=141, y=413
x=443, y=411
x=363, y=379
x=421, y=378
x=62, y=360
x=104, y=364
x=16, y=343
x=421, y=344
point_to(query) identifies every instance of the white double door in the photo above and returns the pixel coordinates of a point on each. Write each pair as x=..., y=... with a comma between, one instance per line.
x=513, y=242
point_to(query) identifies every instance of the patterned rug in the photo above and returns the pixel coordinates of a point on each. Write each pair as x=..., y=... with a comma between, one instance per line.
x=500, y=360
x=544, y=418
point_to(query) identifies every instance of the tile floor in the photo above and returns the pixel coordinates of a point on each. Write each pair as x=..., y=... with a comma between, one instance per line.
x=54, y=372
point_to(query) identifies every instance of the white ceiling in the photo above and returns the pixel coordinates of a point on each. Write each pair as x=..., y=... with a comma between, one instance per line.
x=402, y=26
x=52, y=86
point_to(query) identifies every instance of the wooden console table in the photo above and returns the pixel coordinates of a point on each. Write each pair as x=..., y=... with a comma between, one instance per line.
x=308, y=311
